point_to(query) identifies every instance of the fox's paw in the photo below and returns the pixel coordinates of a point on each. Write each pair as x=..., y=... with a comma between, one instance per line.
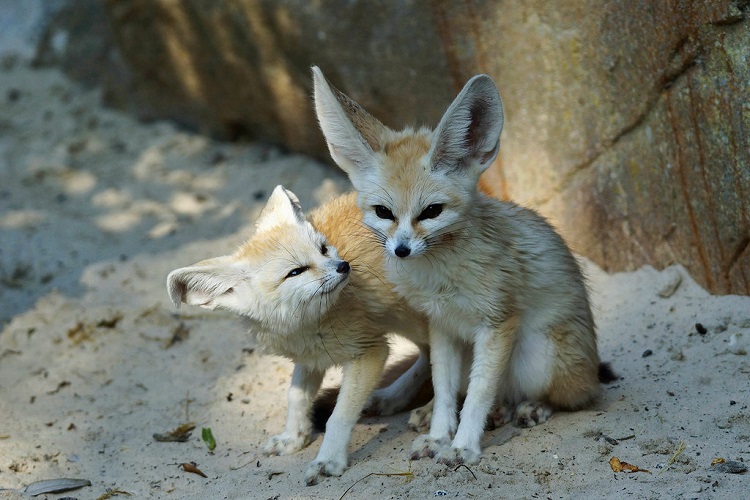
x=323, y=468
x=499, y=416
x=285, y=443
x=458, y=456
x=428, y=446
x=530, y=414
x=419, y=420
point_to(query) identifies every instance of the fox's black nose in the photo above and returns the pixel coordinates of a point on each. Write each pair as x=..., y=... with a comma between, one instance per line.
x=402, y=251
x=343, y=267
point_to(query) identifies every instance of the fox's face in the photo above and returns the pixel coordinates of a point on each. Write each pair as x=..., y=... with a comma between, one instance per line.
x=420, y=208
x=414, y=187
x=286, y=274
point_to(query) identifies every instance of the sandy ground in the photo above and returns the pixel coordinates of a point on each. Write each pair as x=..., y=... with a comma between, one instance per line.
x=96, y=209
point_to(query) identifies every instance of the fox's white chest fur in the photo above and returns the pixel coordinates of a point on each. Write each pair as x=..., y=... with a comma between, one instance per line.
x=450, y=290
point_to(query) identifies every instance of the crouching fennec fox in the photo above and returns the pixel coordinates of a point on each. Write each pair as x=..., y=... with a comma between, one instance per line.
x=314, y=292
x=487, y=273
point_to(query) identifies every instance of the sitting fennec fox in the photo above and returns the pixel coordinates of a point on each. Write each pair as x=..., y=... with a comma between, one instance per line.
x=488, y=273
x=314, y=292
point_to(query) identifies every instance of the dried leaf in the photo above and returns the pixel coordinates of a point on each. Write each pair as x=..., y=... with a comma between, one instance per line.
x=179, y=435
x=54, y=486
x=190, y=467
x=718, y=461
x=618, y=466
x=208, y=438
x=79, y=333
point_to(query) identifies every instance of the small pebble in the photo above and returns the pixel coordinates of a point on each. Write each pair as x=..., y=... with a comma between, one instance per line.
x=700, y=329
x=735, y=347
x=731, y=467
x=672, y=282
x=441, y=493
x=647, y=353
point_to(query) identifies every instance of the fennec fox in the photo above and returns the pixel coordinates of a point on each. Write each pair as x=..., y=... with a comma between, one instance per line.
x=488, y=273
x=314, y=292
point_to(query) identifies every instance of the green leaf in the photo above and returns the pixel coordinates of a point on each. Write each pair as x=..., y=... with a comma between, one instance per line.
x=208, y=438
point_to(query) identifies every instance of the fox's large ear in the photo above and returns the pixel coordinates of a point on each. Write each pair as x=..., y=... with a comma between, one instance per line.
x=468, y=136
x=352, y=134
x=209, y=283
x=282, y=208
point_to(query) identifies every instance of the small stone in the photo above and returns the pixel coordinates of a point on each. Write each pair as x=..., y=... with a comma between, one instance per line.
x=722, y=324
x=735, y=347
x=647, y=353
x=731, y=467
x=678, y=356
x=672, y=280
x=700, y=329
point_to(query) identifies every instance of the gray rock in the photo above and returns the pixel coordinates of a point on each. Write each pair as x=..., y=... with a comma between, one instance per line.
x=624, y=122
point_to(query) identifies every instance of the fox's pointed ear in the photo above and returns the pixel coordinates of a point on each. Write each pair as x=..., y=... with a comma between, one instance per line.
x=281, y=208
x=209, y=283
x=468, y=136
x=352, y=134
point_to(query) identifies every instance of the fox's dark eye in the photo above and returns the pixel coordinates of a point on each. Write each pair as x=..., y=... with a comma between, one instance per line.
x=323, y=250
x=431, y=211
x=384, y=212
x=297, y=271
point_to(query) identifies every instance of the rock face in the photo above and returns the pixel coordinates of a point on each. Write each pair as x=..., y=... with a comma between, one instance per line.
x=628, y=123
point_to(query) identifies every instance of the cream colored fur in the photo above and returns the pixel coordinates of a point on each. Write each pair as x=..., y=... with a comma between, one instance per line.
x=489, y=274
x=335, y=309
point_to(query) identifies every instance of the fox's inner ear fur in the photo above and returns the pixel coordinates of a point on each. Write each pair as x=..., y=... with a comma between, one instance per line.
x=208, y=283
x=352, y=134
x=282, y=207
x=468, y=136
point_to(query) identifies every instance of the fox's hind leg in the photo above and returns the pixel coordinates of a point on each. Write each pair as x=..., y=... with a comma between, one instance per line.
x=557, y=369
x=299, y=427
x=403, y=390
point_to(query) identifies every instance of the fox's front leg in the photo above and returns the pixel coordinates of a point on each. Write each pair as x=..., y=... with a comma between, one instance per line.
x=445, y=354
x=359, y=379
x=299, y=428
x=492, y=351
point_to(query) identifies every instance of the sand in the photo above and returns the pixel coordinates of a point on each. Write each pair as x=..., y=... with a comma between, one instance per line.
x=95, y=210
